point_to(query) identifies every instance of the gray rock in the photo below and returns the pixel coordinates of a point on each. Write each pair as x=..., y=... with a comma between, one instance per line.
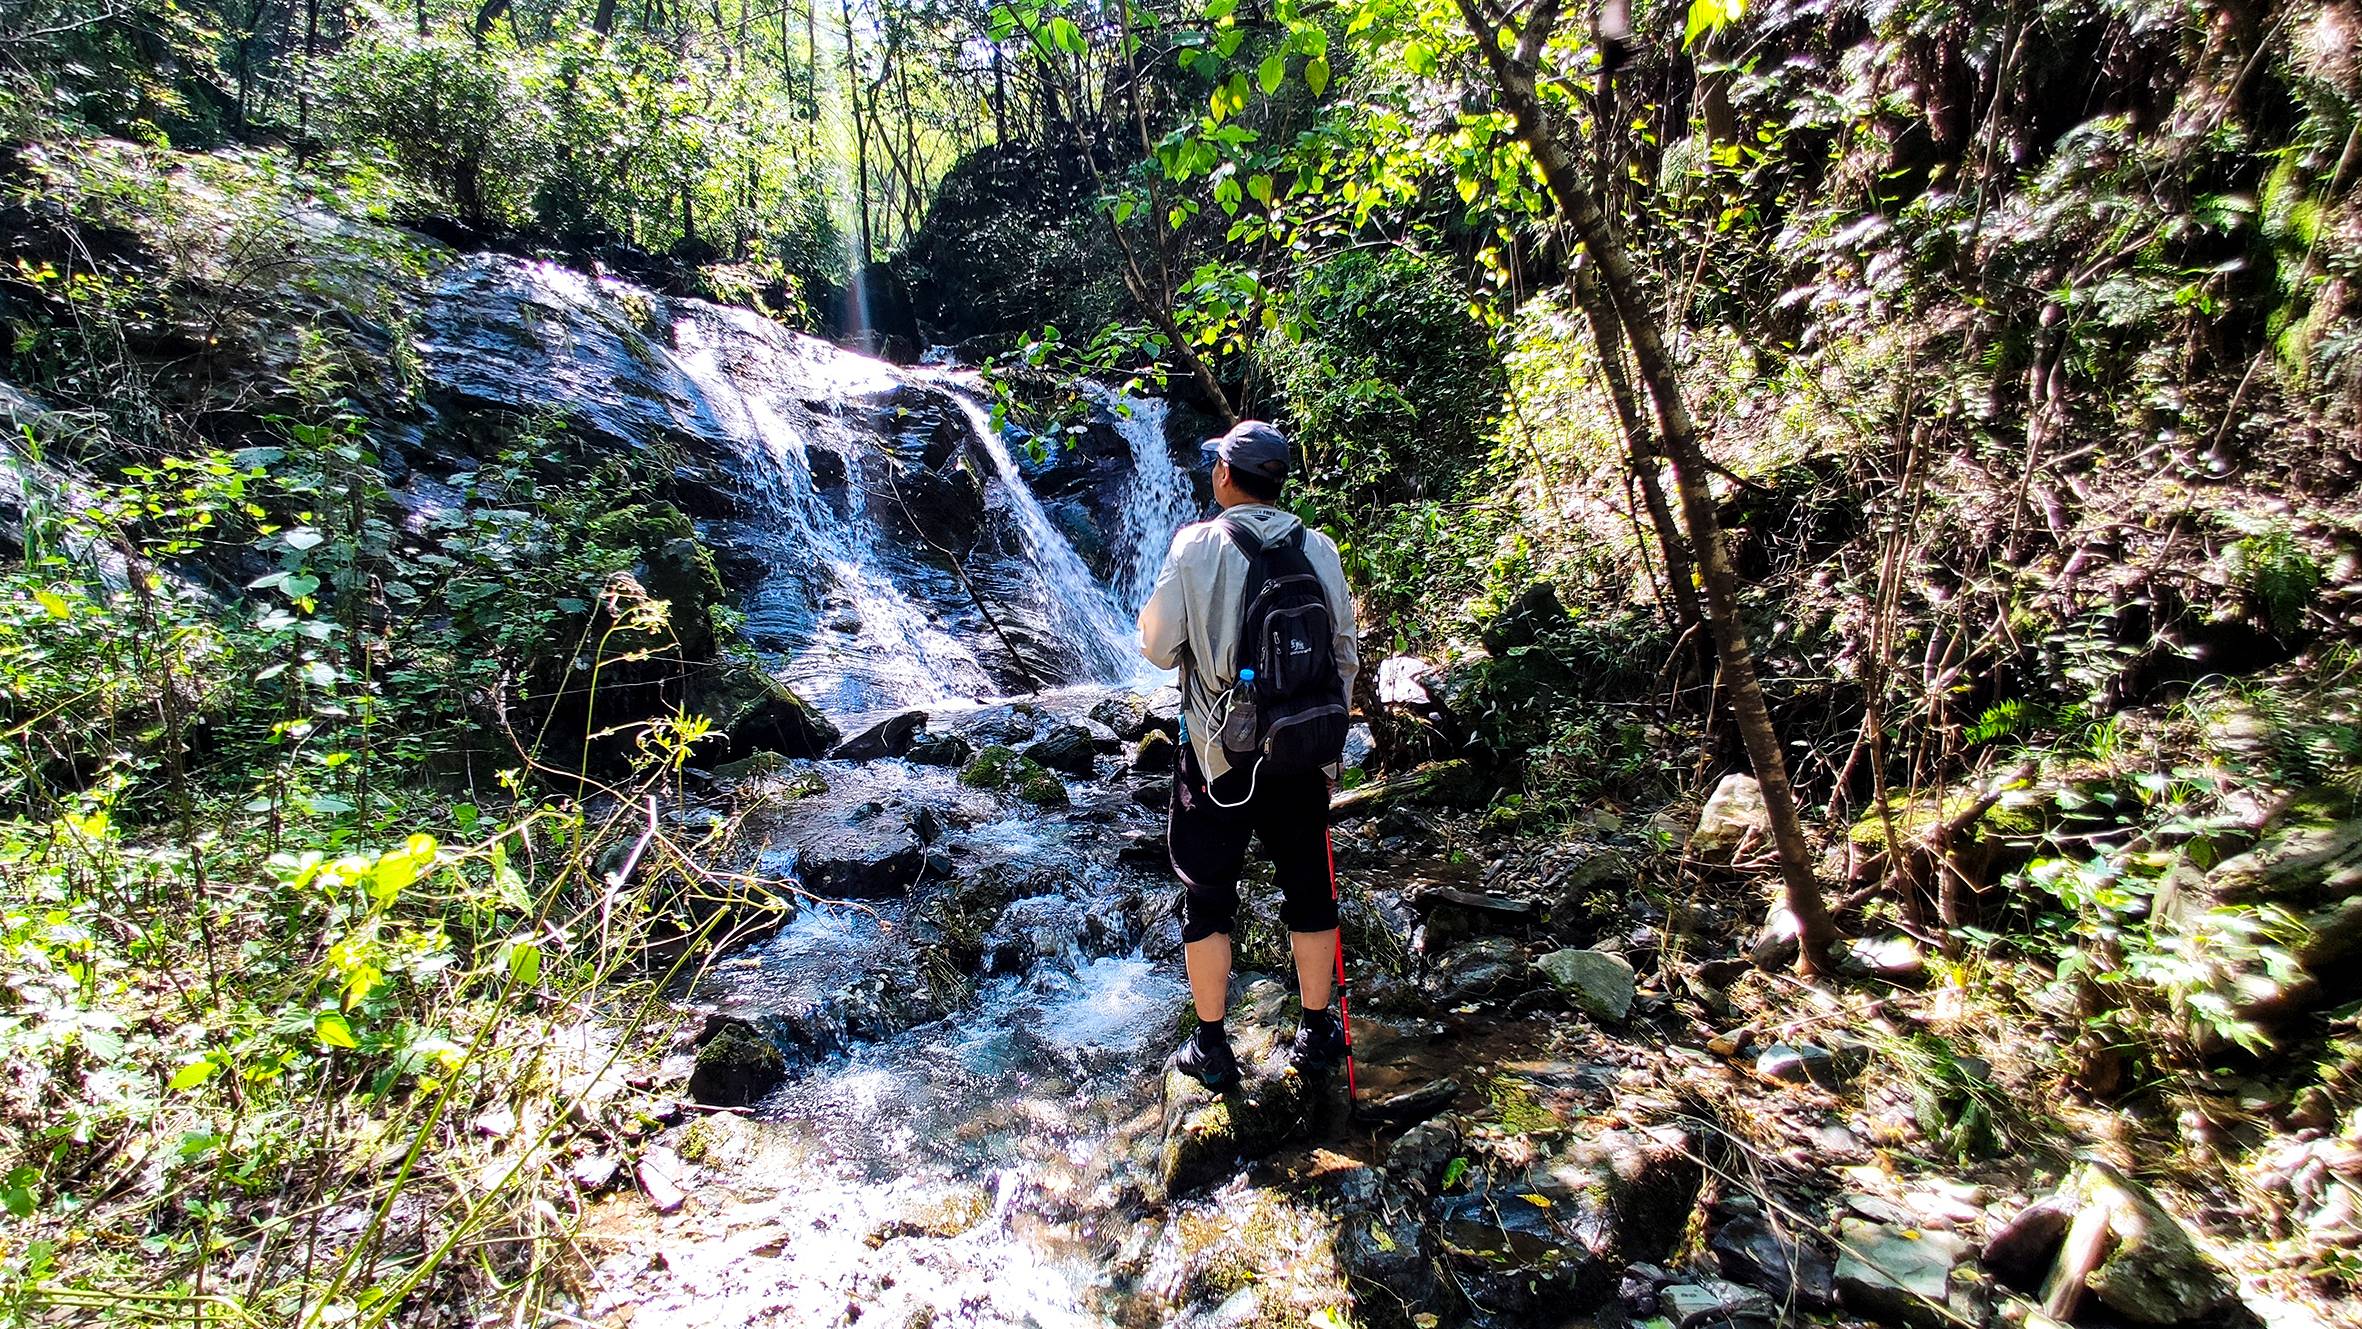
x=1479, y=969
x=1418, y=1157
x=1124, y=713
x=890, y=737
x=1897, y=1275
x=1067, y=748
x=1600, y=984
x=1715, y=1304
x=1734, y=814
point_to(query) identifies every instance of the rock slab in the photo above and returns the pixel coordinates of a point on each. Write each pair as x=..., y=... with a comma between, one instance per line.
x=1598, y=983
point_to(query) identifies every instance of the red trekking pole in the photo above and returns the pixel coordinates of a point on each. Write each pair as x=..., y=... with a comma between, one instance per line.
x=1344, y=1013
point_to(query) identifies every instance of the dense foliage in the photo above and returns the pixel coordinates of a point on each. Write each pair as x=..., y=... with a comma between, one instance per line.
x=2024, y=343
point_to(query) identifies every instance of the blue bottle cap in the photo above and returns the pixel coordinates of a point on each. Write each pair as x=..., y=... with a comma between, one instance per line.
x=1246, y=675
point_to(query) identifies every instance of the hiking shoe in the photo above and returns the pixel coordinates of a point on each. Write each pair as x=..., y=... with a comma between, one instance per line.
x=1214, y=1067
x=1320, y=1042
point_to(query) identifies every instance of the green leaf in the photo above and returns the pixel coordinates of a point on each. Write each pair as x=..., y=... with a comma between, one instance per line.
x=1706, y=16
x=1274, y=71
x=1259, y=188
x=195, y=1073
x=1066, y=36
x=1419, y=58
x=54, y=603
x=1316, y=74
x=334, y=1030
x=1218, y=10
x=524, y=962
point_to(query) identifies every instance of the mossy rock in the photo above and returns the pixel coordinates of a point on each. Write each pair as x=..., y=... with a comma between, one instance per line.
x=754, y=712
x=1002, y=770
x=671, y=565
x=736, y=1065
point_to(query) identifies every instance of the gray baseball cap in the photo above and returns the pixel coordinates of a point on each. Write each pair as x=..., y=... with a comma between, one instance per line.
x=1250, y=445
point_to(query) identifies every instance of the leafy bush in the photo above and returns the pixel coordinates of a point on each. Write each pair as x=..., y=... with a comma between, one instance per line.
x=449, y=113
x=1392, y=385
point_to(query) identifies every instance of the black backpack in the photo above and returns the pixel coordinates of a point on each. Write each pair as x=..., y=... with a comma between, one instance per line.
x=1286, y=635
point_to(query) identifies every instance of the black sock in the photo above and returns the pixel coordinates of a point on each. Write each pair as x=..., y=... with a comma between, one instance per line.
x=1320, y=1019
x=1210, y=1034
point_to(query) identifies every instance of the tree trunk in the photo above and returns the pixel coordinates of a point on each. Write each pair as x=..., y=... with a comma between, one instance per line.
x=1680, y=572
x=1514, y=75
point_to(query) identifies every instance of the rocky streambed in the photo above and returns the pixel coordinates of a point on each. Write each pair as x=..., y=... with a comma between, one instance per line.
x=941, y=1098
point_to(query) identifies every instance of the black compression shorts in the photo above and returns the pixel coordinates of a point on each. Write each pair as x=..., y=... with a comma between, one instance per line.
x=1208, y=843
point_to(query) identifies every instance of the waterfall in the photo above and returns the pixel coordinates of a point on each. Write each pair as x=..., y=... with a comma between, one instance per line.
x=788, y=448
x=1158, y=499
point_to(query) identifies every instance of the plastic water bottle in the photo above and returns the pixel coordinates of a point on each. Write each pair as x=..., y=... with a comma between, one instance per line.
x=1238, y=723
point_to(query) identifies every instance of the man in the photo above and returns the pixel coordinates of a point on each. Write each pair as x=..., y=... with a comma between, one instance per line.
x=1192, y=621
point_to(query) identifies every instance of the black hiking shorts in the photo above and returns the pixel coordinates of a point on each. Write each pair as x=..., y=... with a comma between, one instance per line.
x=1208, y=843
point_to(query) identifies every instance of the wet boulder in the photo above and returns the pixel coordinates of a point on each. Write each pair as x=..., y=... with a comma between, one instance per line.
x=736, y=1064
x=1068, y=748
x=1153, y=753
x=890, y=737
x=928, y=748
x=754, y=712
x=1208, y=1135
x=1555, y=1239
x=944, y=509
x=868, y=859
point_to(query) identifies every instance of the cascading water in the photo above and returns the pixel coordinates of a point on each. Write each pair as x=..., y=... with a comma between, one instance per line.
x=1098, y=626
x=1158, y=497
x=832, y=572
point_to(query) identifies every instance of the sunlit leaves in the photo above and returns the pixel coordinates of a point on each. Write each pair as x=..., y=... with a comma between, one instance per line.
x=1707, y=17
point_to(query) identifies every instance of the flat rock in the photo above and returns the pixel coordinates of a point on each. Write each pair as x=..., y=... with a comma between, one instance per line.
x=1713, y=1303
x=1599, y=984
x=1452, y=915
x=1896, y=1275
x=1479, y=969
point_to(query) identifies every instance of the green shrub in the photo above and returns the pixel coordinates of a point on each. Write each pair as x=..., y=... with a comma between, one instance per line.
x=448, y=113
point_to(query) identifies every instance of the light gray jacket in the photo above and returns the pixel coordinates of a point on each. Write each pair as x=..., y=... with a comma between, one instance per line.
x=1191, y=620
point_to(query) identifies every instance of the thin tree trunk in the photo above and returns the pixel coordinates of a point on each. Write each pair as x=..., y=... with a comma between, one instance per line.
x=1680, y=571
x=1514, y=75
